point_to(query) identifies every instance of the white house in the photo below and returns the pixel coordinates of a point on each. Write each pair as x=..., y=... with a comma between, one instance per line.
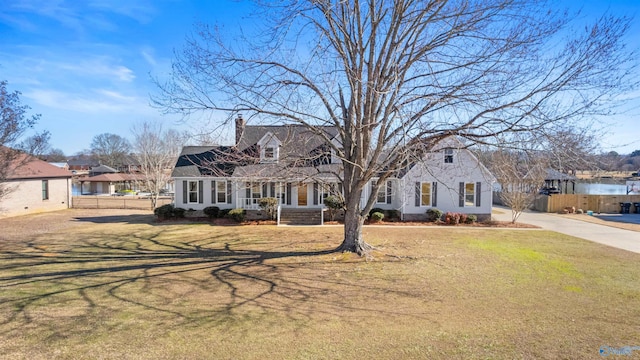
x=294, y=164
x=35, y=186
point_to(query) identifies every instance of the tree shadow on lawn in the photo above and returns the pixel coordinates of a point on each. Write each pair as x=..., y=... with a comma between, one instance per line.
x=118, y=219
x=60, y=284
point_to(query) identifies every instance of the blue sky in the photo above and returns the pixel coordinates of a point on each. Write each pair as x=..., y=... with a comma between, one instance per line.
x=86, y=65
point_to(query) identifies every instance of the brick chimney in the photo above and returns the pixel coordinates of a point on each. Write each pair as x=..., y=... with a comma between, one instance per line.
x=240, y=123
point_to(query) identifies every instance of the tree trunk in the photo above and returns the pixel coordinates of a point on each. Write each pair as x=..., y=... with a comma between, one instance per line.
x=353, y=240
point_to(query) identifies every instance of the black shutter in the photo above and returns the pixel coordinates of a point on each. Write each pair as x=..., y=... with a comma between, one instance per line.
x=184, y=192
x=248, y=191
x=478, y=191
x=389, y=191
x=273, y=190
x=417, y=194
x=214, y=190
x=371, y=191
x=434, y=197
x=288, y=195
x=264, y=190
x=315, y=193
x=228, y=192
x=200, y=190
x=461, y=195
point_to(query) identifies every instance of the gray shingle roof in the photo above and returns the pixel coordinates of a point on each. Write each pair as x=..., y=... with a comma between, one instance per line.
x=297, y=142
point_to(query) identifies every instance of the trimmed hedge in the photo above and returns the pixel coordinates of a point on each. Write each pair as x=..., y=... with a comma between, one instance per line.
x=211, y=211
x=168, y=211
x=237, y=215
x=377, y=216
x=434, y=214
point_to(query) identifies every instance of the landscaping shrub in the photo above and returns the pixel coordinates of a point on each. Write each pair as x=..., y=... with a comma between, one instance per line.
x=164, y=211
x=434, y=214
x=334, y=204
x=375, y=210
x=452, y=218
x=224, y=213
x=471, y=218
x=377, y=216
x=463, y=218
x=237, y=215
x=178, y=212
x=270, y=205
x=211, y=211
x=394, y=214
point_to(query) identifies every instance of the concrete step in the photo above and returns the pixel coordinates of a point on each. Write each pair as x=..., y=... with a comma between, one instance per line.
x=300, y=217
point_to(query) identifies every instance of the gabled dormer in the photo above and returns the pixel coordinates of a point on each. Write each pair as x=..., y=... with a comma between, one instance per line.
x=269, y=146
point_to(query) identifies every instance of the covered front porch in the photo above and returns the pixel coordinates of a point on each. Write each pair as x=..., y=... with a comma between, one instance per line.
x=290, y=194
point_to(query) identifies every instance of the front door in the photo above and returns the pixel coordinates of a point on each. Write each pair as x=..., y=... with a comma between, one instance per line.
x=302, y=194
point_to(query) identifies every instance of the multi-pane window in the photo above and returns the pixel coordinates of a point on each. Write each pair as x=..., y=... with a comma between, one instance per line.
x=254, y=192
x=192, y=191
x=425, y=194
x=269, y=153
x=221, y=192
x=469, y=194
x=280, y=193
x=381, y=196
x=45, y=189
x=448, y=156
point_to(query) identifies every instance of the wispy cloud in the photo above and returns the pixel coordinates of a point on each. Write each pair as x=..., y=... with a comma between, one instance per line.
x=147, y=53
x=65, y=67
x=97, y=101
x=76, y=15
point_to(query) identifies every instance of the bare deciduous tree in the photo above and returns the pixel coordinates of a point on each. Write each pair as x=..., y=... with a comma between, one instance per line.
x=520, y=174
x=397, y=77
x=14, y=124
x=156, y=150
x=110, y=149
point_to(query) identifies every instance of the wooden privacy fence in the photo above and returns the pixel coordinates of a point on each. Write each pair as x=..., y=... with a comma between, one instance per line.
x=596, y=203
x=116, y=202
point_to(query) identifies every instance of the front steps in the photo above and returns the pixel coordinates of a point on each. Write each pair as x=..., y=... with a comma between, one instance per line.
x=300, y=216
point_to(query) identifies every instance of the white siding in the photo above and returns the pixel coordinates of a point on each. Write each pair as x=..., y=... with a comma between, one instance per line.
x=464, y=168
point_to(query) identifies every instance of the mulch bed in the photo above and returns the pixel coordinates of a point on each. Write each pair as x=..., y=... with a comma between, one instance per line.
x=231, y=222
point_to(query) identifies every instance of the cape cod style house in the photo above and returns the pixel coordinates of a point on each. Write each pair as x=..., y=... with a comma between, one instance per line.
x=293, y=164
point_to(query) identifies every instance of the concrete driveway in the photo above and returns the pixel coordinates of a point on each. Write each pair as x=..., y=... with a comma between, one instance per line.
x=618, y=238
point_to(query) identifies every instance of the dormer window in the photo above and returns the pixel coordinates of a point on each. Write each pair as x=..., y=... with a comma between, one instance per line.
x=269, y=148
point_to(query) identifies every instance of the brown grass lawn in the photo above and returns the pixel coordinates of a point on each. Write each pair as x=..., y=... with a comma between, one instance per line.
x=102, y=286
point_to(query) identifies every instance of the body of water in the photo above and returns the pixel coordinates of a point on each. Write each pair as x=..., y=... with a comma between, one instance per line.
x=601, y=189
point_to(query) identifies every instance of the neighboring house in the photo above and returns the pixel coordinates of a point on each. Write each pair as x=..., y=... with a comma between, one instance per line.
x=109, y=183
x=102, y=169
x=129, y=165
x=81, y=163
x=35, y=186
x=295, y=165
x=61, y=165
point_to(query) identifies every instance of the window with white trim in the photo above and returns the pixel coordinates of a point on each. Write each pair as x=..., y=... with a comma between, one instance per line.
x=381, y=196
x=425, y=194
x=220, y=191
x=448, y=156
x=281, y=193
x=469, y=194
x=192, y=191
x=269, y=153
